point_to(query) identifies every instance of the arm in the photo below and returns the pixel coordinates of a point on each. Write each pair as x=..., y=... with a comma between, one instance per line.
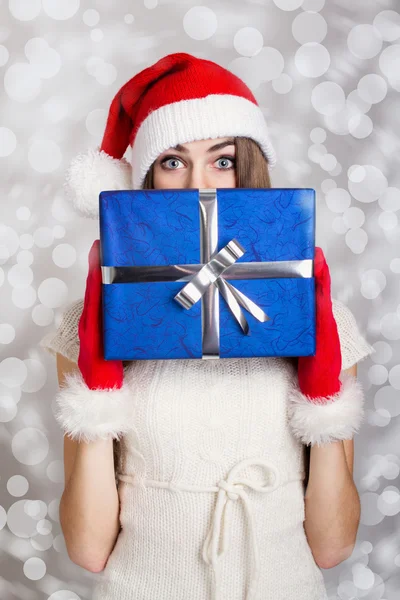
x=332, y=504
x=89, y=506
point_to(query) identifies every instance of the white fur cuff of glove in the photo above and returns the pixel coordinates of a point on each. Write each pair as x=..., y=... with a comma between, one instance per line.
x=339, y=418
x=87, y=415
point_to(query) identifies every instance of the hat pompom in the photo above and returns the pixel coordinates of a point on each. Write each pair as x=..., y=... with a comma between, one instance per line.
x=93, y=172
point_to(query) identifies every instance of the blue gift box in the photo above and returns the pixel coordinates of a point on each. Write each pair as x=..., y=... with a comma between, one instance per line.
x=213, y=273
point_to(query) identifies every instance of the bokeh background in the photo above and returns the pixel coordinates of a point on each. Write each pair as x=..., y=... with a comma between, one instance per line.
x=327, y=77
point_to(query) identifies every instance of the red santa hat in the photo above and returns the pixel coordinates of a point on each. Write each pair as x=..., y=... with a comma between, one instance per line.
x=177, y=100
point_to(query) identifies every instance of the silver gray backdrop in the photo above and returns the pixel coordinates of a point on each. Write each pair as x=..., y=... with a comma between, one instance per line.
x=326, y=74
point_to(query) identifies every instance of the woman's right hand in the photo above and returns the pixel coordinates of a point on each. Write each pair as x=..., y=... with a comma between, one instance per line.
x=96, y=371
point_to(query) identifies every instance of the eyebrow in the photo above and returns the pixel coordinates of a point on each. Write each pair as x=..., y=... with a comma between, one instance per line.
x=229, y=142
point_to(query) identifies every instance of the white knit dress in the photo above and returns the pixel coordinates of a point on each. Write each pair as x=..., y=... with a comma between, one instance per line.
x=210, y=478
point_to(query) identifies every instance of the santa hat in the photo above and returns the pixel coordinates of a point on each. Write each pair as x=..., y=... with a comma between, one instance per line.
x=177, y=100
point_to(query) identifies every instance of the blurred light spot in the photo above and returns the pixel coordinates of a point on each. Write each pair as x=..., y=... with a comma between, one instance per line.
x=8, y=141
x=267, y=65
x=44, y=156
x=45, y=60
x=30, y=446
x=20, y=276
x=248, y=41
x=96, y=35
x=8, y=408
x=13, y=372
x=42, y=315
x=53, y=292
x=288, y=4
x=200, y=23
x=356, y=240
x=23, y=213
x=282, y=84
x=338, y=200
x=389, y=64
x=389, y=502
x=58, y=232
x=34, y=568
x=394, y=377
x=23, y=297
x=22, y=83
x=360, y=126
x=91, y=17
x=387, y=220
x=318, y=135
x=44, y=527
x=309, y=27
x=377, y=374
x=17, y=486
x=356, y=104
x=328, y=162
x=96, y=122
x=316, y=152
x=64, y=255
x=364, y=41
x=55, y=109
x=354, y=217
x=372, y=88
x=4, y=55
x=19, y=522
x=25, y=10
x=129, y=19
x=26, y=241
x=313, y=5
x=312, y=59
x=328, y=98
x=36, y=376
x=363, y=577
x=373, y=282
x=390, y=199
x=372, y=185
x=383, y=352
x=388, y=24
x=7, y=333
x=55, y=471
x=25, y=258
x=339, y=226
x=387, y=398
x=60, y=9
x=370, y=514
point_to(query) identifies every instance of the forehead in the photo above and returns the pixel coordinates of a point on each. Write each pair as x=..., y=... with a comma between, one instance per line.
x=204, y=145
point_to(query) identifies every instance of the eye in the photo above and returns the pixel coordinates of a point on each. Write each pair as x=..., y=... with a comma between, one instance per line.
x=167, y=159
x=225, y=158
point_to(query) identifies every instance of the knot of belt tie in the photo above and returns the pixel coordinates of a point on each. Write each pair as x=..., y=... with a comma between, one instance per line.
x=232, y=489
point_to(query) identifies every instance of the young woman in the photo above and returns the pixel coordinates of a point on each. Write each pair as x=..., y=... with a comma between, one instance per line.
x=229, y=478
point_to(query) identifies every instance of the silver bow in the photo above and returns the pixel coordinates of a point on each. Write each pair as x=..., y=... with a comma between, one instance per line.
x=210, y=274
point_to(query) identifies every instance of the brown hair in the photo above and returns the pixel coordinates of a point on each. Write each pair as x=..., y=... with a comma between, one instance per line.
x=251, y=166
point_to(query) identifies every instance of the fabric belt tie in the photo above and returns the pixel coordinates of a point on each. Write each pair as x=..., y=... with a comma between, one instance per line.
x=228, y=490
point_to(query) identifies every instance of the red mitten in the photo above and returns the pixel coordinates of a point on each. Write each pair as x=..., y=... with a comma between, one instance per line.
x=328, y=405
x=97, y=372
x=95, y=402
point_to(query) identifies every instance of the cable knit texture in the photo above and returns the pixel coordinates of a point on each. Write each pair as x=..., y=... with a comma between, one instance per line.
x=210, y=478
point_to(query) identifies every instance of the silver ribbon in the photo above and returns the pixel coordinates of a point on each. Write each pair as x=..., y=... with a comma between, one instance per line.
x=208, y=279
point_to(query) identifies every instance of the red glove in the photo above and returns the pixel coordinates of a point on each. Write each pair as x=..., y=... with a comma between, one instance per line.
x=328, y=404
x=319, y=375
x=95, y=402
x=96, y=371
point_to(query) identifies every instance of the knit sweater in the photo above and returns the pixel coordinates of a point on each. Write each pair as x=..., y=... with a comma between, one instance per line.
x=211, y=478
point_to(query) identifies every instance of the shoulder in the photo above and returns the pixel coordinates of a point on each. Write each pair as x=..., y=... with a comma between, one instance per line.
x=64, y=339
x=353, y=343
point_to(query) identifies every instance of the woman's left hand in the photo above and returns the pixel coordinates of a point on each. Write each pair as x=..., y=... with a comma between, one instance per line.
x=319, y=375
